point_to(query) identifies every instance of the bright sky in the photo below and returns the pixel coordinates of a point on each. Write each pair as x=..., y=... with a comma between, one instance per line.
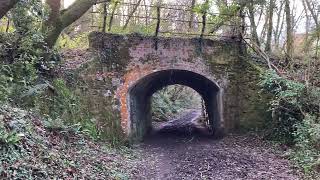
x=67, y=3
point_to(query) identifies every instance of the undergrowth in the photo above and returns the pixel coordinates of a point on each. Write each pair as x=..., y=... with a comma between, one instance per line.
x=295, y=118
x=27, y=77
x=31, y=150
x=64, y=107
x=66, y=42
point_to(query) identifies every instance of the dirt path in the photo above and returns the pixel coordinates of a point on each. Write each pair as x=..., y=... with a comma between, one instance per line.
x=169, y=156
x=186, y=124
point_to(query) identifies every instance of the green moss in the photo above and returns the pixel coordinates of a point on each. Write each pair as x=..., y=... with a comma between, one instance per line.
x=254, y=111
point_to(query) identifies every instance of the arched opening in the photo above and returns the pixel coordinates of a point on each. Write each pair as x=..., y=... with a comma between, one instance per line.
x=140, y=94
x=179, y=110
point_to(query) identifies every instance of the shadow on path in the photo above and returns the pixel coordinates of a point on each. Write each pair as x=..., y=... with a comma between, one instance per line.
x=194, y=156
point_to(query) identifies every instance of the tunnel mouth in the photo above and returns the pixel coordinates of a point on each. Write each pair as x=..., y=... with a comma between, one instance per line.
x=140, y=96
x=179, y=111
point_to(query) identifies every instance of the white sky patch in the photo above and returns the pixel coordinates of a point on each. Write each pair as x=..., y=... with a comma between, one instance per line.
x=67, y=3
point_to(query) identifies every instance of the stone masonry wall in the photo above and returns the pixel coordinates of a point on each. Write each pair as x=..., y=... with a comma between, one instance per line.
x=119, y=61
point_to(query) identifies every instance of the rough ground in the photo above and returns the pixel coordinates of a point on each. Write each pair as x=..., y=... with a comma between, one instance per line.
x=30, y=149
x=170, y=156
x=186, y=124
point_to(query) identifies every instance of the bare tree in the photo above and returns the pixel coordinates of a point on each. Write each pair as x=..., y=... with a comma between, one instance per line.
x=307, y=25
x=279, y=26
x=131, y=14
x=289, y=30
x=105, y=11
x=253, y=26
x=316, y=21
x=270, y=26
x=193, y=3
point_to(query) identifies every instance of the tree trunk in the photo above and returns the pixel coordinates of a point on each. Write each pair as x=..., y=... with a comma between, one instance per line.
x=131, y=14
x=193, y=3
x=8, y=25
x=254, y=34
x=104, y=25
x=279, y=26
x=146, y=12
x=204, y=21
x=59, y=20
x=313, y=14
x=315, y=18
x=263, y=31
x=270, y=26
x=6, y=5
x=112, y=15
x=289, y=31
x=307, y=25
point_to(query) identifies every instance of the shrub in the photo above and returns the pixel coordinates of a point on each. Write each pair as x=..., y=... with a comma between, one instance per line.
x=65, y=110
x=296, y=118
x=23, y=54
x=285, y=105
x=307, y=139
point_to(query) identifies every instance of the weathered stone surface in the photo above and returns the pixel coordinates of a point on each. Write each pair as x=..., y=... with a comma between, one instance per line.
x=127, y=70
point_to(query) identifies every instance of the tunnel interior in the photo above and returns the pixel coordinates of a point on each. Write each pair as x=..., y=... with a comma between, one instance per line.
x=174, y=104
x=141, y=92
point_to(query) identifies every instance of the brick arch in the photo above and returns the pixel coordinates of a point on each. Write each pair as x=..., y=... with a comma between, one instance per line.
x=136, y=100
x=116, y=63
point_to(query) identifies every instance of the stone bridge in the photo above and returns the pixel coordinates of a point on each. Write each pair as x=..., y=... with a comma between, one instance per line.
x=125, y=71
